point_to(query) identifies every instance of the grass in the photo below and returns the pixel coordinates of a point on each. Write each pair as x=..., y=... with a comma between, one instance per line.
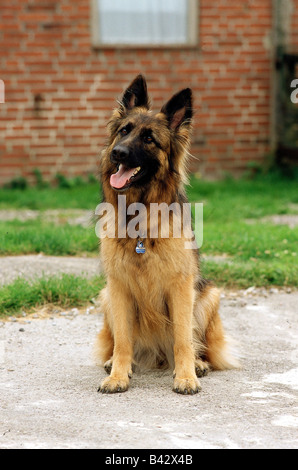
x=38, y=236
x=65, y=291
x=243, y=274
x=256, y=253
x=235, y=200
x=78, y=197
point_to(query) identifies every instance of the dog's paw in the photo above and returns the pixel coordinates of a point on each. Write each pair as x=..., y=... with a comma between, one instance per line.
x=114, y=385
x=188, y=386
x=202, y=368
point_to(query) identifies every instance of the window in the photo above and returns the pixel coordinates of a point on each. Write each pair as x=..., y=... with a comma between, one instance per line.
x=144, y=22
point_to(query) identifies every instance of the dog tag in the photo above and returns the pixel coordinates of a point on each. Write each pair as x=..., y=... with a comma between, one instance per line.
x=140, y=249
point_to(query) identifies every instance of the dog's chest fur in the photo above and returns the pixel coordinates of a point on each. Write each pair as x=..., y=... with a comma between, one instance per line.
x=148, y=277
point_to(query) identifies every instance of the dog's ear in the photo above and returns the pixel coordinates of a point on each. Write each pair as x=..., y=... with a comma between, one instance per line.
x=179, y=109
x=136, y=94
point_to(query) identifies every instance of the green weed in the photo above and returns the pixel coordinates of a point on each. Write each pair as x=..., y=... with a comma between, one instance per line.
x=65, y=291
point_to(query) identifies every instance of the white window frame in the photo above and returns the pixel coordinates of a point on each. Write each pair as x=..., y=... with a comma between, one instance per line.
x=192, y=28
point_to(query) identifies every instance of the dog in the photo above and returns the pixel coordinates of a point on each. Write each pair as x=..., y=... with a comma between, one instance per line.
x=158, y=310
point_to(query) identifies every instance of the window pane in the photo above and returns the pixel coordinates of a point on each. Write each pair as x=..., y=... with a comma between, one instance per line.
x=143, y=21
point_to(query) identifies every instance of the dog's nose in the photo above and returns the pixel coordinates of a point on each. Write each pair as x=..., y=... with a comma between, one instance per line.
x=119, y=154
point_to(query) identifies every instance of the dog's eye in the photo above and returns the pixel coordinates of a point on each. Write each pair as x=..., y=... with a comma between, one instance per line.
x=148, y=139
x=124, y=131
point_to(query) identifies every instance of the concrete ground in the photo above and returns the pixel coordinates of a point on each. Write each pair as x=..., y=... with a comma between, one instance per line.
x=49, y=399
x=35, y=266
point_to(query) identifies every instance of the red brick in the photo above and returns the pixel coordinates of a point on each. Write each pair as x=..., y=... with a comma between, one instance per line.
x=46, y=49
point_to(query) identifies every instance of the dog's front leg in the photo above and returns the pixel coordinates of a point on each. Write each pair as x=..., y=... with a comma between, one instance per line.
x=181, y=311
x=122, y=328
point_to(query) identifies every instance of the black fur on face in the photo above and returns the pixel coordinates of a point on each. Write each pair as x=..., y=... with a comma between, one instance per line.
x=142, y=143
x=137, y=147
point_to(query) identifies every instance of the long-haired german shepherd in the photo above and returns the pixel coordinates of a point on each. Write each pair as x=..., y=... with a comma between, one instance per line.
x=158, y=311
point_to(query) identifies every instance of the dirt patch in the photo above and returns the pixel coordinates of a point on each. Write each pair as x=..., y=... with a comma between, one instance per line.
x=15, y=214
x=33, y=266
x=57, y=216
x=291, y=220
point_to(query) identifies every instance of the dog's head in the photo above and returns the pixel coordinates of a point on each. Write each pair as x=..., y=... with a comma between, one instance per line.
x=146, y=148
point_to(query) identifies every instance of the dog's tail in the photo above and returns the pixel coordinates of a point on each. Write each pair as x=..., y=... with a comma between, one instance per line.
x=212, y=342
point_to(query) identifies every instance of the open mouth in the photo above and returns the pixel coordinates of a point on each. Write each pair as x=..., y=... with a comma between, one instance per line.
x=125, y=177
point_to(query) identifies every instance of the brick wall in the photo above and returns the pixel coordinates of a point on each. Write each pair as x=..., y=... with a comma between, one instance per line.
x=293, y=40
x=60, y=91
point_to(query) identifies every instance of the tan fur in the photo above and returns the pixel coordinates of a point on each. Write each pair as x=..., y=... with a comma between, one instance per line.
x=158, y=311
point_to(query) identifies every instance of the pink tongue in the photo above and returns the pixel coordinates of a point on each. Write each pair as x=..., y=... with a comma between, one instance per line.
x=119, y=179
